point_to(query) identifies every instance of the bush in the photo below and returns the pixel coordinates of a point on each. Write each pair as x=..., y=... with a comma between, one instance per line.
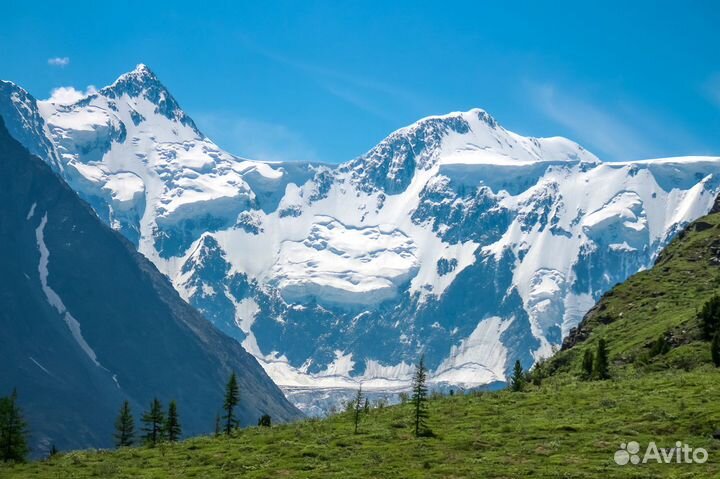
x=709, y=317
x=265, y=421
x=660, y=346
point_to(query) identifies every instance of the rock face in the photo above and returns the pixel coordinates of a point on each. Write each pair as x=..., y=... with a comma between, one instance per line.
x=88, y=322
x=453, y=237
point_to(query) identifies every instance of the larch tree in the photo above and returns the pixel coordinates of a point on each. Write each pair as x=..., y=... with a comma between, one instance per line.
x=358, y=409
x=517, y=381
x=419, y=399
x=715, y=349
x=13, y=430
x=154, y=423
x=173, y=430
x=601, y=368
x=124, y=426
x=232, y=399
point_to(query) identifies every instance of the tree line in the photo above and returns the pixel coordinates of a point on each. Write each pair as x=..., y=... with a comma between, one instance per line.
x=158, y=425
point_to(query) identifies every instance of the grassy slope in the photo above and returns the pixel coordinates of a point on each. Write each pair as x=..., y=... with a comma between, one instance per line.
x=562, y=428
x=662, y=300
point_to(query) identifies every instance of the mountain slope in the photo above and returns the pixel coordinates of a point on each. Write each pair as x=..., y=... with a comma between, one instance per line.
x=453, y=237
x=88, y=322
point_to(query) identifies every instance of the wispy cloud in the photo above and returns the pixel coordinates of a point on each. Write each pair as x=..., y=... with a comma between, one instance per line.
x=712, y=89
x=67, y=95
x=376, y=97
x=255, y=139
x=614, y=130
x=61, y=62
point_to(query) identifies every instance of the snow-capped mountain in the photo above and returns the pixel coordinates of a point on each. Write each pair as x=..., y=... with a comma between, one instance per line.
x=453, y=237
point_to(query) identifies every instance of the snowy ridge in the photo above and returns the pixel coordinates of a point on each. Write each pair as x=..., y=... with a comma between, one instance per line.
x=453, y=237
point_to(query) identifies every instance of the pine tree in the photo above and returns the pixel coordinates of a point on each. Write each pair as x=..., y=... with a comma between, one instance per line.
x=709, y=317
x=587, y=365
x=154, y=423
x=358, y=408
x=173, y=430
x=265, y=421
x=517, y=382
x=601, y=366
x=13, y=430
x=53, y=452
x=218, y=428
x=124, y=426
x=419, y=399
x=232, y=398
x=366, y=407
x=715, y=349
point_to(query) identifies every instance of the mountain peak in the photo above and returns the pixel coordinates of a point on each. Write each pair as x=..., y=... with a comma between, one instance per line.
x=143, y=83
x=140, y=78
x=142, y=68
x=469, y=115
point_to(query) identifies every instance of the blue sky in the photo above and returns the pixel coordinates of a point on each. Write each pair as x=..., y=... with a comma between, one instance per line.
x=328, y=80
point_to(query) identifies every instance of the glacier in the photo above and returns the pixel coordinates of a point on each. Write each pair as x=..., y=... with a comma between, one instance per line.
x=453, y=238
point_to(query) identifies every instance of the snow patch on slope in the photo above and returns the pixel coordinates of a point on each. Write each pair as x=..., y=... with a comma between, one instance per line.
x=54, y=299
x=479, y=359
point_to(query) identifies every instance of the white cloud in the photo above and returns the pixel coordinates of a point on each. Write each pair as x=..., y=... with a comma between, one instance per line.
x=59, y=61
x=255, y=139
x=67, y=95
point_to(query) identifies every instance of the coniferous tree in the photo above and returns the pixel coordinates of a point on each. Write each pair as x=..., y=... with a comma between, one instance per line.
x=218, y=428
x=173, y=430
x=366, y=407
x=517, y=382
x=154, y=423
x=358, y=408
x=602, y=363
x=709, y=317
x=53, y=452
x=419, y=399
x=13, y=430
x=265, y=421
x=587, y=365
x=715, y=349
x=124, y=426
x=232, y=398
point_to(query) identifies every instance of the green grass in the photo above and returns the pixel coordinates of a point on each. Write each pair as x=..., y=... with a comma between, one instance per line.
x=562, y=427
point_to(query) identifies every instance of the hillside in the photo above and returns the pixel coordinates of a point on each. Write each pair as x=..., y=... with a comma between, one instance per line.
x=560, y=427
x=662, y=301
x=87, y=322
